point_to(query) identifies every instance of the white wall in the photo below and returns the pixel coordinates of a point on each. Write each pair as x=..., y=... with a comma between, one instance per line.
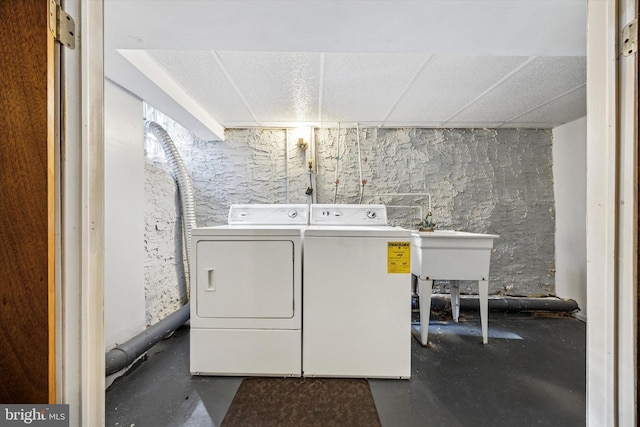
x=124, y=304
x=570, y=188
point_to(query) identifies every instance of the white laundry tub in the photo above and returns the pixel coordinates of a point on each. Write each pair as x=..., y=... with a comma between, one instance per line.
x=451, y=255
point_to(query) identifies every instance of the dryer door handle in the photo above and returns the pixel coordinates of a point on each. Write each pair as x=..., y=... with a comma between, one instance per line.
x=211, y=280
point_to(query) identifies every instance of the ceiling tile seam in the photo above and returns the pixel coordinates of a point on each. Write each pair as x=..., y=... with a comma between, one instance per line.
x=406, y=88
x=321, y=87
x=545, y=103
x=234, y=85
x=492, y=87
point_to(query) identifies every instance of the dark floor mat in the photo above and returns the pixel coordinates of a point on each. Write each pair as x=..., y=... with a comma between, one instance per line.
x=305, y=402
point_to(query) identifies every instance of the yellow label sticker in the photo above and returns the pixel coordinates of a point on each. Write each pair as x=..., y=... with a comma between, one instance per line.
x=398, y=257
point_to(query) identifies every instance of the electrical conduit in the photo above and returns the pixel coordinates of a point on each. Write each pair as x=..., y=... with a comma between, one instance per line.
x=362, y=180
x=337, y=181
x=286, y=166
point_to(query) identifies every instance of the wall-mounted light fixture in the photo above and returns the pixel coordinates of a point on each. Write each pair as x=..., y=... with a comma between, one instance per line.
x=303, y=134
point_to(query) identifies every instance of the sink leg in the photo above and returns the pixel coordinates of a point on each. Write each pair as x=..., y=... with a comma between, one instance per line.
x=454, y=285
x=483, y=288
x=424, y=293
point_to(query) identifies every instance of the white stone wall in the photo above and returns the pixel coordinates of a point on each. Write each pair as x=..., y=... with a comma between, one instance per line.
x=482, y=180
x=164, y=283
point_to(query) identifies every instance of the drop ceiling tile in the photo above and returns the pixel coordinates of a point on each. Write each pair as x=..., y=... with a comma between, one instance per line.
x=277, y=86
x=198, y=73
x=448, y=83
x=360, y=87
x=562, y=110
x=540, y=81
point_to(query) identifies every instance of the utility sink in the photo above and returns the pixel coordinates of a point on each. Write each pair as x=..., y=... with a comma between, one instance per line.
x=450, y=255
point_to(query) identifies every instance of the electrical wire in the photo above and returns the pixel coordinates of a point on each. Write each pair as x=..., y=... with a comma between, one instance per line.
x=363, y=181
x=337, y=181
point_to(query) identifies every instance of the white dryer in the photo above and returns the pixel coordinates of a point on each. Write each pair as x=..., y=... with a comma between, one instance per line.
x=246, y=293
x=357, y=294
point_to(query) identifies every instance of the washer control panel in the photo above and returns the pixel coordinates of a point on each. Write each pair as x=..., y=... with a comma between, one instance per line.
x=348, y=214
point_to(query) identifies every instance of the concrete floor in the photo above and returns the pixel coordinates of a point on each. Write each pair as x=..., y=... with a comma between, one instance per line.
x=532, y=373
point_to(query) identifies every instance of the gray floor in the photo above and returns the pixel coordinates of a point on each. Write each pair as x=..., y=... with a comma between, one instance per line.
x=532, y=373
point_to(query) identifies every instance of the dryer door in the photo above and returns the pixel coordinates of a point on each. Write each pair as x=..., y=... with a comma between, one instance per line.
x=245, y=279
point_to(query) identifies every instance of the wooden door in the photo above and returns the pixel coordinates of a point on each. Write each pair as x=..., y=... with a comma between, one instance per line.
x=637, y=219
x=26, y=203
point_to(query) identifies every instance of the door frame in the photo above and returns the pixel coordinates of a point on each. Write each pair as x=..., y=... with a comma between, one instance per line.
x=81, y=357
x=627, y=201
x=611, y=218
x=611, y=320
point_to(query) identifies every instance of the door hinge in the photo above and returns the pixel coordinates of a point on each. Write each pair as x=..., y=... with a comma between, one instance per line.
x=630, y=38
x=62, y=25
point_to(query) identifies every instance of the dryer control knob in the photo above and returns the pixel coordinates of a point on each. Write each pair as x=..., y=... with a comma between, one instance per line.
x=371, y=214
x=293, y=213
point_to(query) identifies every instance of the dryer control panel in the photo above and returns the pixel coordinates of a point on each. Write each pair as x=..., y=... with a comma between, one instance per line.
x=269, y=214
x=348, y=214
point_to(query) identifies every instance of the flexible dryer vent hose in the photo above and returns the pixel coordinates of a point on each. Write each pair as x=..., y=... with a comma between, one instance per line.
x=185, y=187
x=124, y=354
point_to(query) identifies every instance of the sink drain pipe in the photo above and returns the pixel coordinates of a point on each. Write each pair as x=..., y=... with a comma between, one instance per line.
x=125, y=354
x=509, y=304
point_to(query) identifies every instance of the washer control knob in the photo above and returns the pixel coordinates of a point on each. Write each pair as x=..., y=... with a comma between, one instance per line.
x=293, y=213
x=325, y=213
x=371, y=214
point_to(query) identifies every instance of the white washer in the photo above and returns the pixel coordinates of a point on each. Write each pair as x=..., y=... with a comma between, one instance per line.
x=357, y=294
x=246, y=292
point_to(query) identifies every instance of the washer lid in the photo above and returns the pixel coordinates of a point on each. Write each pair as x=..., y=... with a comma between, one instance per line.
x=266, y=214
x=384, y=231
x=348, y=214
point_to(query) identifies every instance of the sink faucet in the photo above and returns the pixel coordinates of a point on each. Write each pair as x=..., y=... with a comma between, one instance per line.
x=427, y=224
